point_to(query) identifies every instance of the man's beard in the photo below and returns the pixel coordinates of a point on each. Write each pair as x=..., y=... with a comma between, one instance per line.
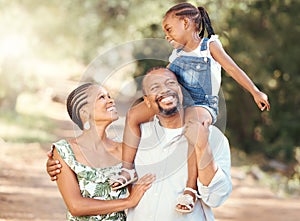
x=171, y=111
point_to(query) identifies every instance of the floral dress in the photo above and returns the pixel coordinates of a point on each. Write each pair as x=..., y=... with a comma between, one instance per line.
x=93, y=183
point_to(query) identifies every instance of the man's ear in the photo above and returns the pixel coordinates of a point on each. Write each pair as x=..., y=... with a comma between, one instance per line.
x=146, y=100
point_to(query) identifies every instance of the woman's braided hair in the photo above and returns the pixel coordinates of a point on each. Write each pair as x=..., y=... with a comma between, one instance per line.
x=75, y=101
x=198, y=15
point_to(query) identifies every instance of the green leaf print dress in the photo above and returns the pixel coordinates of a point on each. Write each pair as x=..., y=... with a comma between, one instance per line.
x=93, y=183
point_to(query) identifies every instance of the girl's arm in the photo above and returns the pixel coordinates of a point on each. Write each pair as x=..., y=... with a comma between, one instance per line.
x=137, y=115
x=219, y=54
x=82, y=206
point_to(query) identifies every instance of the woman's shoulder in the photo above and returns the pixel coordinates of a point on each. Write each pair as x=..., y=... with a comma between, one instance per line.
x=64, y=148
x=60, y=143
x=65, y=143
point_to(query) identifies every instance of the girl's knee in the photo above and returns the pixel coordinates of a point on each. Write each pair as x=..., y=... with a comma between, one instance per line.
x=198, y=113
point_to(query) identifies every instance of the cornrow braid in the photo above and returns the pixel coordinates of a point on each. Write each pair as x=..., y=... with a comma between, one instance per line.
x=206, y=22
x=75, y=101
x=198, y=15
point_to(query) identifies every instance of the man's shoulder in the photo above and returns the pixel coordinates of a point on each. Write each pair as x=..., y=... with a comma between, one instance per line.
x=216, y=135
x=215, y=130
x=147, y=126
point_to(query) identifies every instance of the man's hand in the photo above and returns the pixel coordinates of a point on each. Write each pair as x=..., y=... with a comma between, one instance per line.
x=52, y=166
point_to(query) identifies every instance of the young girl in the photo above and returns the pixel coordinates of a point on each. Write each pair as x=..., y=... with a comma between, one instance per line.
x=197, y=62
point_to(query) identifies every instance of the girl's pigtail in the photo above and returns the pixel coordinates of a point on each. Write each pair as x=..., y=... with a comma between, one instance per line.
x=205, y=20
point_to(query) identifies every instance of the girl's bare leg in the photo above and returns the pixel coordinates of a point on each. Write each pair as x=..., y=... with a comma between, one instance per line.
x=138, y=114
x=202, y=115
x=132, y=134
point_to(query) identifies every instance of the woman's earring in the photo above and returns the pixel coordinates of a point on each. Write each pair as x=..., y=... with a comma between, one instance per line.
x=87, y=125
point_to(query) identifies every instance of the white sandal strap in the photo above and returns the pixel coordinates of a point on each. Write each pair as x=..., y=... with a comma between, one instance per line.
x=131, y=172
x=193, y=191
x=186, y=200
x=117, y=178
x=122, y=180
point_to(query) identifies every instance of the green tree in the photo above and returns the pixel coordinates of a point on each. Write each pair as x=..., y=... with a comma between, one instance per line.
x=260, y=35
x=264, y=41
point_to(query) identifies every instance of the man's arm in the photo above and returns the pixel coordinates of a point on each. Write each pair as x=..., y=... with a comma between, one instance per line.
x=52, y=166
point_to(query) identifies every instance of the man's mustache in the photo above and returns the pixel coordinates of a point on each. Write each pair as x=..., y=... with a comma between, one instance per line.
x=160, y=97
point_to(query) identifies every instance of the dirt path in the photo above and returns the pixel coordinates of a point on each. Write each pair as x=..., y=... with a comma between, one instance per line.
x=26, y=193
x=251, y=202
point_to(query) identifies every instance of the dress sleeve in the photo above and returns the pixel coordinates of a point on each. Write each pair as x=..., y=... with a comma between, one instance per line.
x=220, y=187
x=66, y=153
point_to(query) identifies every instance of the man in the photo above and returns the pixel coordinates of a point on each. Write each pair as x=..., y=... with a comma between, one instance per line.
x=164, y=151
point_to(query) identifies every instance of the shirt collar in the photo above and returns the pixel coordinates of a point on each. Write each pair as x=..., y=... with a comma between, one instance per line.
x=166, y=135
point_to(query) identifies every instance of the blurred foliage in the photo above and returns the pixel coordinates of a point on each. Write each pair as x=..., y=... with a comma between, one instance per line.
x=264, y=42
x=260, y=35
x=25, y=128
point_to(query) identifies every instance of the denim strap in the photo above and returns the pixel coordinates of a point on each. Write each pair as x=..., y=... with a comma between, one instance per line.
x=202, y=48
x=204, y=44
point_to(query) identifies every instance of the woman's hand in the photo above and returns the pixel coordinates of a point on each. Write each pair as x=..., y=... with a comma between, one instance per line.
x=139, y=188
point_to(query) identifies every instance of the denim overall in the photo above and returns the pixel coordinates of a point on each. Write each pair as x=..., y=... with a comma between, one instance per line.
x=194, y=75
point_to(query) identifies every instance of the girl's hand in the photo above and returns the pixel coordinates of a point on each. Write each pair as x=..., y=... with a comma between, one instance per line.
x=261, y=99
x=139, y=188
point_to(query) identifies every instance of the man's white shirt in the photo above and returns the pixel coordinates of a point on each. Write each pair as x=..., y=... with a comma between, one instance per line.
x=164, y=152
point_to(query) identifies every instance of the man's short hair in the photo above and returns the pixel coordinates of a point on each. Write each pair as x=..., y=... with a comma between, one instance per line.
x=149, y=72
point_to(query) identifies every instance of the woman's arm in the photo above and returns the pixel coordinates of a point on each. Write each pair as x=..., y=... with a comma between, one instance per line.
x=219, y=54
x=81, y=206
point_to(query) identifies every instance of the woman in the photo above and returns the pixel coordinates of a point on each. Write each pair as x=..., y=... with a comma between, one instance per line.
x=89, y=160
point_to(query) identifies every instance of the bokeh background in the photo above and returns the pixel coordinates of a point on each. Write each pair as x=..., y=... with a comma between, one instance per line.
x=46, y=48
